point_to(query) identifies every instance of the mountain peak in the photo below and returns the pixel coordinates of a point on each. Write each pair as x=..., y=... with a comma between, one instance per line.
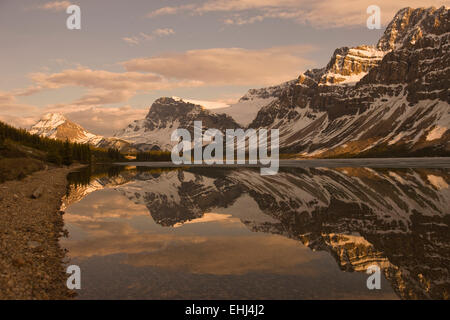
x=48, y=124
x=170, y=107
x=409, y=24
x=170, y=101
x=57, y=126
x=53, y=119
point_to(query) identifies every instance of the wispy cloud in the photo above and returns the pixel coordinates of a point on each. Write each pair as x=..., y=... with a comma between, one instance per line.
x=228, y=66
x=131, y=40
x=55, y=5
x=158, y=33
x=171, y=10
x=14, y=113
x=19, y=121
x=6, y=97
x=105, y=87
x=101, y=120
x=193, y=68
x=163, y=32
x=319, y=13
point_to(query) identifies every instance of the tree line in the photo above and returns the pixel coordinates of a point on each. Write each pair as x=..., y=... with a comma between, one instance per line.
x=58, y=152
x=153, y=156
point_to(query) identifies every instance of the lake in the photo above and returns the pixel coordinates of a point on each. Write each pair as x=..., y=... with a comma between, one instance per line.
x=229, y=233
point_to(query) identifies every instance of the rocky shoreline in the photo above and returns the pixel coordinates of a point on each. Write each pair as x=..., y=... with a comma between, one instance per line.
x=31, y=259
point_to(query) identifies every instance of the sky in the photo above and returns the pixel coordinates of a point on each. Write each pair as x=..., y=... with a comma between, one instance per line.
x=129, y=53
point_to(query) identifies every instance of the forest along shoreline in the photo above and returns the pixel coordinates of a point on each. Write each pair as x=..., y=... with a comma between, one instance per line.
x=31, y=258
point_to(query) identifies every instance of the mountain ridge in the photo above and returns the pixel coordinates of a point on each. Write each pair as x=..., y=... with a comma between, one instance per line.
x=388, y=99
x=334, y=120
x=368, y=100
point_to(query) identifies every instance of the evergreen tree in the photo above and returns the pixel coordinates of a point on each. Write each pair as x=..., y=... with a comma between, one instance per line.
x=67, y=158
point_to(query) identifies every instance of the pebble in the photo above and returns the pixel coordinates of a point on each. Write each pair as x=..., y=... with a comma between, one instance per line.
x=29, y=233
x=19, y=261
x=33, y=244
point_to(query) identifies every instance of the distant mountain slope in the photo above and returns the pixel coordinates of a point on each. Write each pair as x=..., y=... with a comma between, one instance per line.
x=57, y=126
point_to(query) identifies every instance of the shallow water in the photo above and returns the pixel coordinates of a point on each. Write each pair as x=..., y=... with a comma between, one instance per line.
x=217, y=233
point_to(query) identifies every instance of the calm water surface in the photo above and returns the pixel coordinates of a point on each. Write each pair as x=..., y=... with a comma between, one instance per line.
x=218, y=233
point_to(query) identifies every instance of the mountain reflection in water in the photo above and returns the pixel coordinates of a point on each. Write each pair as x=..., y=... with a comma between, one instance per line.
x=304, y=233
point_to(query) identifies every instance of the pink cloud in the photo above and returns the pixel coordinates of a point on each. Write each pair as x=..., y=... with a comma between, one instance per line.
x=55, y=5
x=194, y=68
x=170, y=10
x=101, y=120
x=6, y=97
x=142, y=36
x=227, y=66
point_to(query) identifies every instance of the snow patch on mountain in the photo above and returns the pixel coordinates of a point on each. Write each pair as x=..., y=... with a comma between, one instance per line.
x=209, y=105
x=436, y=133
x=437, y=181
x=244, y=111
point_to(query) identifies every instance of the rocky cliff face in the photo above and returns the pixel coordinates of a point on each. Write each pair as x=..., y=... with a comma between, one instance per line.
x=347, y=65
x=399, y=103
x=419, y=55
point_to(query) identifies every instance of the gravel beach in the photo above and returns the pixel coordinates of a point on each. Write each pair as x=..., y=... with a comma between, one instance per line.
x=31, y=259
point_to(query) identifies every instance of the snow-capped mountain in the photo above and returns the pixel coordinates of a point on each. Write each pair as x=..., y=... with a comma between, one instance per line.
x=392, y=98
x=57, y=126
x=388, y=99
x=169, y=113
x=165, y=116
